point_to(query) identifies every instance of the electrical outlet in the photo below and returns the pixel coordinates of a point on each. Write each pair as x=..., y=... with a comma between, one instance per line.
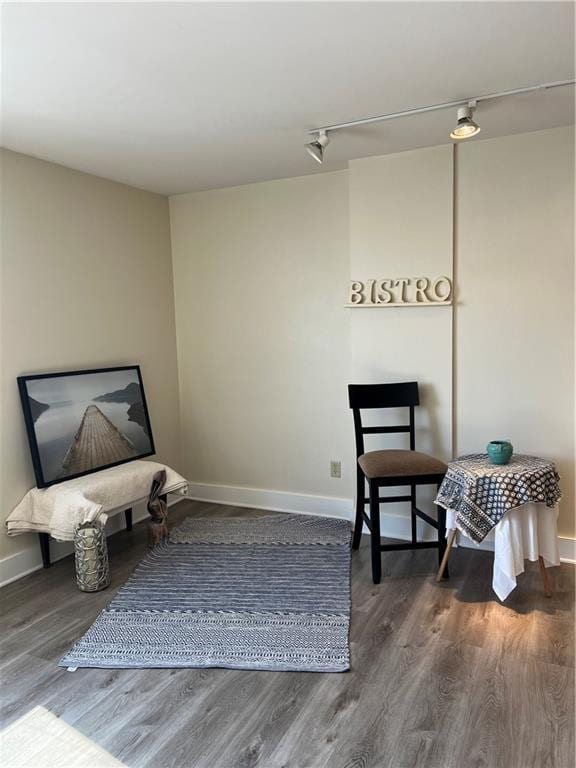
x=335, y=469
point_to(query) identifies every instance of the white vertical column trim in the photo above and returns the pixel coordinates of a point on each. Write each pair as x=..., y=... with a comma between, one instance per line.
x=455, y=301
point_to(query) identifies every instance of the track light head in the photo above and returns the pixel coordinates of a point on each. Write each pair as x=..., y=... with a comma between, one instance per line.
x=465, y=127
x=316, y=148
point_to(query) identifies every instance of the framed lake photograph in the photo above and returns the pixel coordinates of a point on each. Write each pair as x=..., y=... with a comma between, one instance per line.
x=83, y=421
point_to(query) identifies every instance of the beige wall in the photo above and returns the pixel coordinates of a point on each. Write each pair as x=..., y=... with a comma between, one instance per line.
x=266, y=347
x=401, y=226
x=260, y=273
x=515, y=314
x=86, y=282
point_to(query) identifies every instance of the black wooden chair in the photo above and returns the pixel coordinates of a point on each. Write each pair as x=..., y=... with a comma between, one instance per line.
x=388, y=468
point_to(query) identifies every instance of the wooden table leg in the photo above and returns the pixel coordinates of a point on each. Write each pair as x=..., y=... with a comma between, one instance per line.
x=544, y=574
x=444, y=562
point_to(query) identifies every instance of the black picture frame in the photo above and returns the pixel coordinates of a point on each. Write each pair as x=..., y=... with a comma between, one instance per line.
x=41, y=480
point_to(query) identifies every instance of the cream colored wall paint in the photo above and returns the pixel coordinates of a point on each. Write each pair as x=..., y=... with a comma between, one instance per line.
x=86, y=282
x=260, y=275
x=515, y=315
x=266, y=346
x=401, y=227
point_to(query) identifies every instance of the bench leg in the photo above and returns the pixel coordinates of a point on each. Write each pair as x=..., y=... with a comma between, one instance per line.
x=45, y=549
x=128, y=518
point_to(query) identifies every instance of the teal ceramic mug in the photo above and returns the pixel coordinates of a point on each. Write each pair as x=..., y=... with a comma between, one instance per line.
x=500, y=451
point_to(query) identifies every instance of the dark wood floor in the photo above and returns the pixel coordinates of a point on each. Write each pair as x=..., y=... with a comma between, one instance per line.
x=443, y=676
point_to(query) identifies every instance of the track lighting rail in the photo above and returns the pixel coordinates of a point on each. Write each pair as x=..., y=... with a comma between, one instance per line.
x=444, y=105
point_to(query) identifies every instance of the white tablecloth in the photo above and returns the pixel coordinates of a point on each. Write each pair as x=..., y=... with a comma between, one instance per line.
x=524, y=533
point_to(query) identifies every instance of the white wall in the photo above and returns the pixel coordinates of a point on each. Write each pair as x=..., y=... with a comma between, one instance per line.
x=86, y=282
x=515, y=314
x=260, y=275
x=266, y=347
x=401, y=226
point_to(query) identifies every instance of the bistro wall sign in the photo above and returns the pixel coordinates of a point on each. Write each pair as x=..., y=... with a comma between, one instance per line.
x=401, y=292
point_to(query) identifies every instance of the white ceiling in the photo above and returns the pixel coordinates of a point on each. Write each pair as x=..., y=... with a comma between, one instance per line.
x=183, y=97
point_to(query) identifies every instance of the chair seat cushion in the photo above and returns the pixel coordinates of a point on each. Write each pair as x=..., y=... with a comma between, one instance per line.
x=397, y=463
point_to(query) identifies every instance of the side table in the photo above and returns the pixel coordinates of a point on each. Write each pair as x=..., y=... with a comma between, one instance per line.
x=519, y=500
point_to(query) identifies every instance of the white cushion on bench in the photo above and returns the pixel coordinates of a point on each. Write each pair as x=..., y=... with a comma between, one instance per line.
x=59, y=509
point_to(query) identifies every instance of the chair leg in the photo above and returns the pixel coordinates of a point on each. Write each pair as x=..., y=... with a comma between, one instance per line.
x=413, y=513
x=360, y=494
x=442, y=540
x=375, y=534
x=128, y=518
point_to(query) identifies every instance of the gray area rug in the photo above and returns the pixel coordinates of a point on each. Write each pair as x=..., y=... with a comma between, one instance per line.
x=270, y=593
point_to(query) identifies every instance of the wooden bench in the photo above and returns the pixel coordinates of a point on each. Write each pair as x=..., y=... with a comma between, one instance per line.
x=45, y=537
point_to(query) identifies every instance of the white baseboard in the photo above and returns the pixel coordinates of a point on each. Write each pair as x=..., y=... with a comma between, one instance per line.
x=393, y=526
x=29, y=560
x=567, y=549
x=275, y=501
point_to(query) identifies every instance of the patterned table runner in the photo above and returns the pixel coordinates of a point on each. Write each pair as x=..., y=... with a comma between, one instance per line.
x=481, y=492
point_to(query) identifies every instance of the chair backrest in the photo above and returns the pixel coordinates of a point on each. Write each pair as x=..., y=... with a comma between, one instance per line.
x=404, y=394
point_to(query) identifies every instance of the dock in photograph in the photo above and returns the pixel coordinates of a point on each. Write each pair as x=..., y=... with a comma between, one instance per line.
x=98, y=442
